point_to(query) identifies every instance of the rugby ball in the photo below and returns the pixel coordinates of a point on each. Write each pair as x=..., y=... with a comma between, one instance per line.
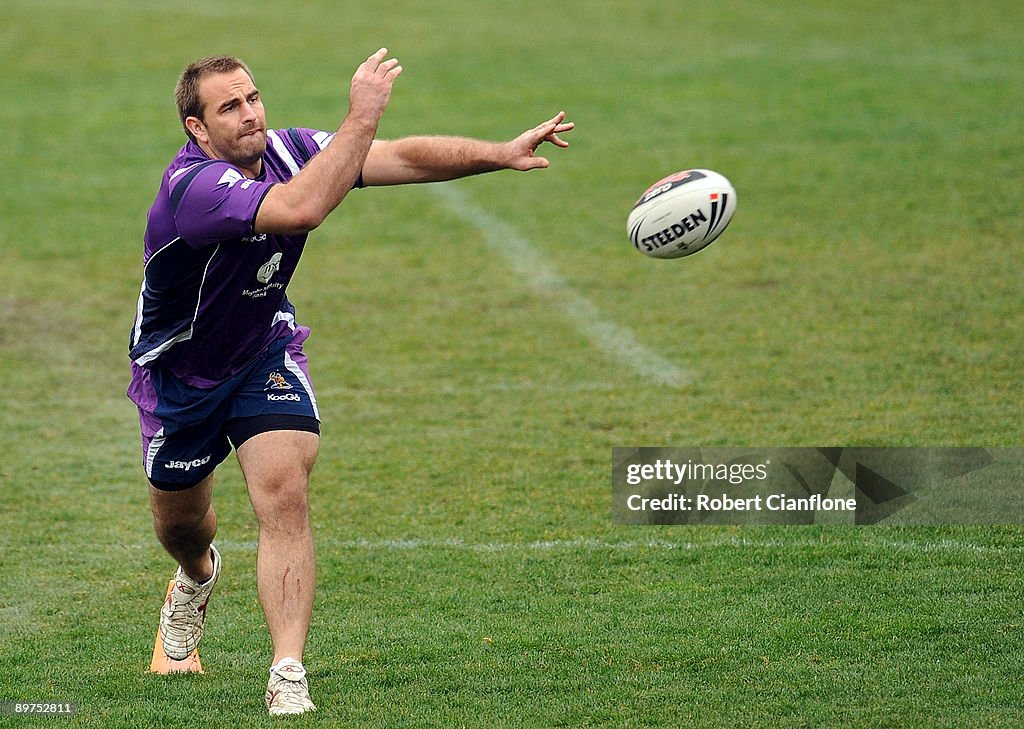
x=681, y=214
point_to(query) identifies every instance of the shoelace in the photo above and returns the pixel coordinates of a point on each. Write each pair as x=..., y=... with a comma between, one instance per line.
x=186, y=611
x=289, y=694
x=183, y=618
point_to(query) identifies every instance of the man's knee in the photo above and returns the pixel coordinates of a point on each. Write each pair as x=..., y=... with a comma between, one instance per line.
x=177, y=515
x=282, y=499
x=178, y=528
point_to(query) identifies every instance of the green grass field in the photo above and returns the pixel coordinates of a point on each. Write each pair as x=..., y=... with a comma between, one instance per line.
x=867, y=293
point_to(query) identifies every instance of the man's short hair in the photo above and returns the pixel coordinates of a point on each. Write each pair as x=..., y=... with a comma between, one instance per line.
x=186, y=93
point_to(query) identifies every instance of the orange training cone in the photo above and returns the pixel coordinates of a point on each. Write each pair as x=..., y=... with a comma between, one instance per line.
x=162, y=664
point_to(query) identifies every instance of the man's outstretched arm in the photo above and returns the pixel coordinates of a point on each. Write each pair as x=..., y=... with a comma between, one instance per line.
x=436, y=158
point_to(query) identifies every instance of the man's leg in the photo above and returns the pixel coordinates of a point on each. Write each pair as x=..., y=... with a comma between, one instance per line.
x=277, y=465
x=186, y=523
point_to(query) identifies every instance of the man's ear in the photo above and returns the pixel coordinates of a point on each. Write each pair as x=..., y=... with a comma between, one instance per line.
x=198, y=129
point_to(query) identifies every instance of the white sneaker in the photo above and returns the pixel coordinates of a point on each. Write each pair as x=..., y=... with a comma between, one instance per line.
x=287, y=689
x=184, y=612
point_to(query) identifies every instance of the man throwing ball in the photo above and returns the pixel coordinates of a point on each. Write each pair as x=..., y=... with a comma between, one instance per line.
x=217, y=356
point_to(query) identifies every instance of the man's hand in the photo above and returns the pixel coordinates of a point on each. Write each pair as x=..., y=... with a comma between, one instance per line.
x=521, y=150
x=371, y=87
x=302, y=203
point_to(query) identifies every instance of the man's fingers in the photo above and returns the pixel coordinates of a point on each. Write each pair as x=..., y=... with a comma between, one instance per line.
x=559, y=128
x=556, y=140
x=376, y=64
x=545, y=128
x=373, y=60
x=385, y=67
x=550, y=129
x=557, y=119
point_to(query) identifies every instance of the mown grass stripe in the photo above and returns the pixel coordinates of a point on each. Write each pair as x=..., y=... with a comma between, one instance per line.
x=613, y=339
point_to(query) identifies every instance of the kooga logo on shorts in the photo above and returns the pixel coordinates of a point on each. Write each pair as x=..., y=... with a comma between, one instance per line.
x=271, y=397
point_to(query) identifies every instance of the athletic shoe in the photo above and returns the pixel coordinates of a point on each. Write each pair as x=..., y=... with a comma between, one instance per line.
x=184, y=612
x=287, y=689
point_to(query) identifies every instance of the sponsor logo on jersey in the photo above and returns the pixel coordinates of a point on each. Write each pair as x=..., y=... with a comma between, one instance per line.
x=268, y=269
x=261, y=293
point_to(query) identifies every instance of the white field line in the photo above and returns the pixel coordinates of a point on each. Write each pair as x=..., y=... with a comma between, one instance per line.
x=613, y=339
x=587, y=544
x=16, y=621
x=868, y=539
x=626, y=545
x=583, y=544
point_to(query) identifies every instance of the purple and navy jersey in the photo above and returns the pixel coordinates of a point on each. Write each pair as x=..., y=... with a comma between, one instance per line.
x=213, y=295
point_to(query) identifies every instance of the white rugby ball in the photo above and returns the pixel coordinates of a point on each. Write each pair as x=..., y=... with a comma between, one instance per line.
x=681, y=214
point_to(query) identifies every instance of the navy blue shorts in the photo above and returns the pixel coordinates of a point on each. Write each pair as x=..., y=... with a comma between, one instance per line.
x=188, y=431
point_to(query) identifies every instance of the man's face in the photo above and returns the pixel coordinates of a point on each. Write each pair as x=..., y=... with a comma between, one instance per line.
x=234, y=124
